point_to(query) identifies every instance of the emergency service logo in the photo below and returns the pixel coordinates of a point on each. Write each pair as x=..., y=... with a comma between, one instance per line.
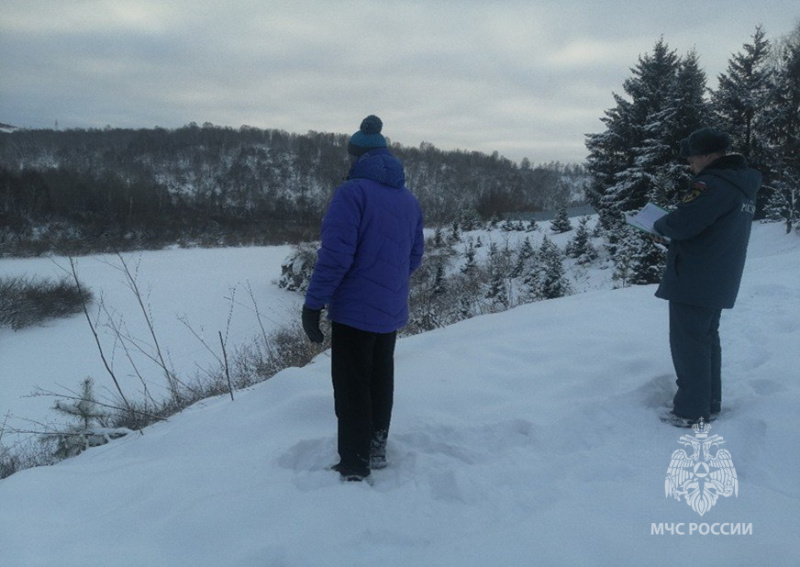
x=702, y=472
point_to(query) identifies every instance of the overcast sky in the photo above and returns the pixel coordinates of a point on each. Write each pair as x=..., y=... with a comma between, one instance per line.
x=524, y=78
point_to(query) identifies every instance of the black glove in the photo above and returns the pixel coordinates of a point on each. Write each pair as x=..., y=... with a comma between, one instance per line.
x=311, y=324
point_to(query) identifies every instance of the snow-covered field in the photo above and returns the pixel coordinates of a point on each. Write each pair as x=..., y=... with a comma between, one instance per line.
x=528, y=437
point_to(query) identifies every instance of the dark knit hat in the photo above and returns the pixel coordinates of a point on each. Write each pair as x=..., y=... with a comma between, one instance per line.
x=705, y=141
x=368, y=136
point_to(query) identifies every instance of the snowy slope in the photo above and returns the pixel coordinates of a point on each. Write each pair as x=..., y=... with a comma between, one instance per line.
x=529, y=437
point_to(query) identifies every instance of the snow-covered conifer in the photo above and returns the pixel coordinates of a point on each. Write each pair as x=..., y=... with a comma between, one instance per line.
x=470, y=220
x=85, y=408
x=526, y=249
x=642, y=258
x=498, y=291
x=296, y=270
x=561, y=222
x=439, y=285
x=552, y=280
x=438, y=238
x=90, y=430
x=470, y=266
x=780, y=125
x=455, y=232
x=580, y=247
x=741, y=97
x=634, y=160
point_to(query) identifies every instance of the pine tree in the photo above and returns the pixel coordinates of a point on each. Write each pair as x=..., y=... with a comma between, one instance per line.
x=621, y=160
x=498, y=291
x=561, y=222
x=470, y=266
x=439, y=285
x=741, y=97
x=494, y=252
x=643, y=259
x=455, y=232
x=784, y=202
x=465, y=307
x=690, y=107
x=531, y=284
x=87, y=411
x=780, y=126
x=609, y=153
x=658, y=175
x=525, y=252
x=685, y=111
x=622, y=267
x=519, y=268
x=636, y=159
x=438, y=238
x=580, y=247
x=552, y=281
x=499, y=269
x=296, y=270
x=85, y=408
x=470, y=219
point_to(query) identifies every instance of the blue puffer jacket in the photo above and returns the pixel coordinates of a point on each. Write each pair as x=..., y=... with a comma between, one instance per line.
x=371, y=243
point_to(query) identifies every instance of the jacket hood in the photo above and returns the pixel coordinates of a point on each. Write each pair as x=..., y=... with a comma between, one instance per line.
x=381, y=166
x=734, y=170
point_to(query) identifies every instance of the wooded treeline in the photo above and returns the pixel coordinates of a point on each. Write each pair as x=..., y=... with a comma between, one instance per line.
x=635, y=160
x=122, y=188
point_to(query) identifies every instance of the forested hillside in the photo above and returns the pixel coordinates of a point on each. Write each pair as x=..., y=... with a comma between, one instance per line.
x=84, y=190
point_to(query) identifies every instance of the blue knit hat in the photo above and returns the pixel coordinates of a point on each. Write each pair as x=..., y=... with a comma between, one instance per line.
x=705, y=141
x=368, y=137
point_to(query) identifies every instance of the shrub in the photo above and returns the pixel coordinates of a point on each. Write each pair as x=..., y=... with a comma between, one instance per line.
x=296, y=270
x=26, y=301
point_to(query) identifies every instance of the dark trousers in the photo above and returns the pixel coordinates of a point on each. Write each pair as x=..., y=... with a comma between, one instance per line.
x=697, y=357
x=362, y=368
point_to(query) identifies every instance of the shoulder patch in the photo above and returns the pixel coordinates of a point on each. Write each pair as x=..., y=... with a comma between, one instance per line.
x=697, y=189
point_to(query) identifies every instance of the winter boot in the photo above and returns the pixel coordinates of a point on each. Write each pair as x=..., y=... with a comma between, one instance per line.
x=350, y=474
x=377, y=453
x=676, y=420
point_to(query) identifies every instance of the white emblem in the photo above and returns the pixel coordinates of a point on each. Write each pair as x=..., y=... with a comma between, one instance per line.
x=701, y=478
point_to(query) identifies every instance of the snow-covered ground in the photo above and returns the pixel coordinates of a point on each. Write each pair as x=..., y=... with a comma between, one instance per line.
x=528, y=437
x=191, y=296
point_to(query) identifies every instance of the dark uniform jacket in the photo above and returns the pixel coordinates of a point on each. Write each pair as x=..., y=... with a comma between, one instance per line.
x=708, y=233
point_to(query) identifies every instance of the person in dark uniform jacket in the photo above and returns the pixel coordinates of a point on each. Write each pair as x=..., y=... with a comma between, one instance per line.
x=372, y=240
x=708, y=234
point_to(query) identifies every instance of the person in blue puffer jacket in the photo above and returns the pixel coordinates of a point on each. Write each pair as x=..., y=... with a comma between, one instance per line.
x=372, y=241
